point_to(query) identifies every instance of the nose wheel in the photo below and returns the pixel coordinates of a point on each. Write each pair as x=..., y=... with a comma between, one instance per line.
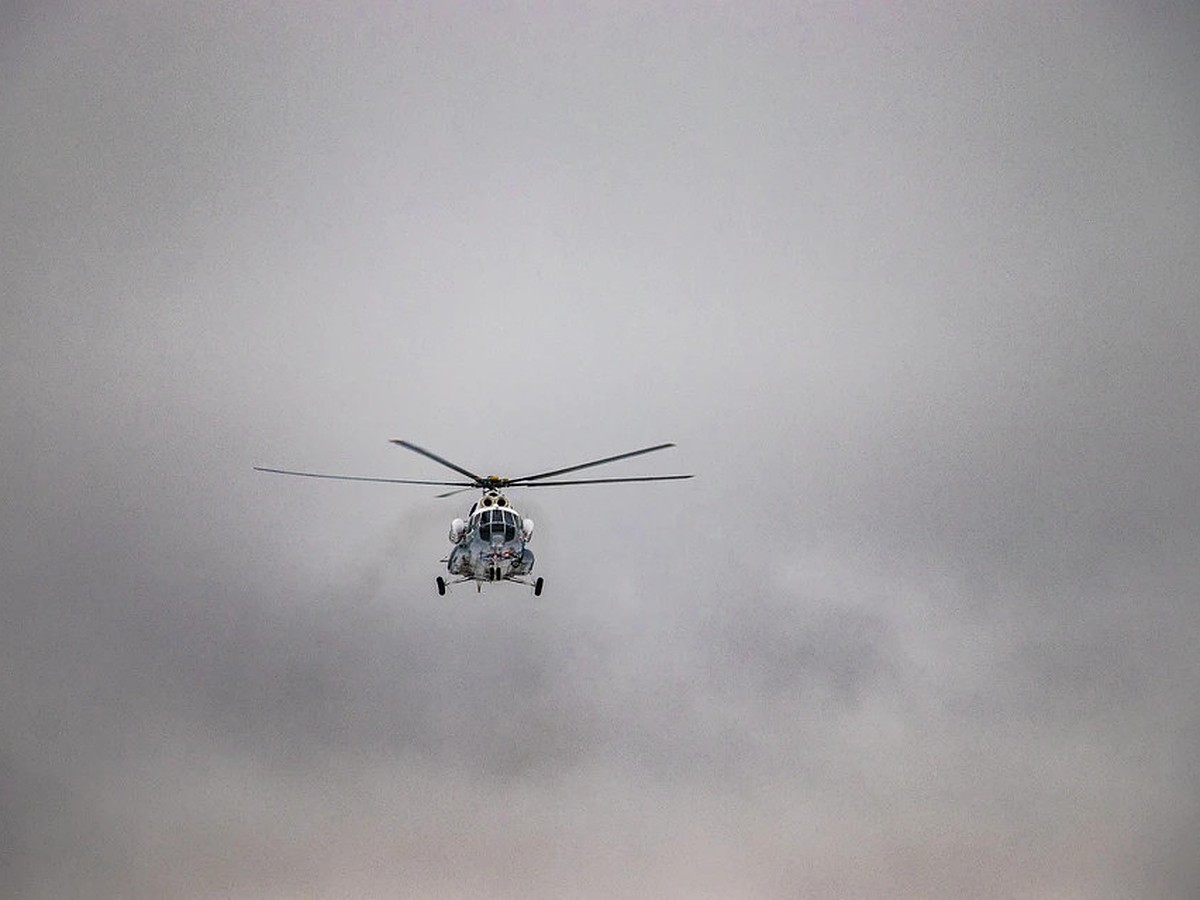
x=441, y=584
x=537, y=588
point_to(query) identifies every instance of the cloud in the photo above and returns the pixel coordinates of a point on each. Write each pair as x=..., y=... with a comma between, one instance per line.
x=911, y=292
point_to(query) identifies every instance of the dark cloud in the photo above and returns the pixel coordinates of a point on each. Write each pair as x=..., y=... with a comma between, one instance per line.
x=912, y=290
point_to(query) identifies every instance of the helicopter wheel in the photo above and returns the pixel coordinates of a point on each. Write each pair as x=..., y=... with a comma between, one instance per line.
x=537, y=588
x=441, y=584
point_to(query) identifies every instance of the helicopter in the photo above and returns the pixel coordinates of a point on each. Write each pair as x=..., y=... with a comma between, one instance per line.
x=490, y=543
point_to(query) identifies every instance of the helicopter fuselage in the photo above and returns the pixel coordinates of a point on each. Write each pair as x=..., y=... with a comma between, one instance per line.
x=490, y=545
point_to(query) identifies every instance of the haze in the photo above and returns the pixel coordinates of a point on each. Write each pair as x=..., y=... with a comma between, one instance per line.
x=914, y=291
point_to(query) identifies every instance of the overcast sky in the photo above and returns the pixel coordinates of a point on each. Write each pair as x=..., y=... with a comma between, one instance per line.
x=915, y=291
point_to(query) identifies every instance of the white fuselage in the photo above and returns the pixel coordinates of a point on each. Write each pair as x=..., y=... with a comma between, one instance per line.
x=491, y=543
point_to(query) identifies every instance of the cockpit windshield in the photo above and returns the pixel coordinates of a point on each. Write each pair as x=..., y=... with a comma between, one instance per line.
x=498, y=523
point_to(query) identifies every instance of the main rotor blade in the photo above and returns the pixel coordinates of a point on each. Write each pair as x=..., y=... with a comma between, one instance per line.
x=588, y=465
x=452, y=493
x=363, y=478
x=445, y=462
x=599, y=480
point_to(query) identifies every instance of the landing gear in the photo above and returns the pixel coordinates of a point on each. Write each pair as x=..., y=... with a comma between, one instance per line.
x=441, y=583
x=537, y=588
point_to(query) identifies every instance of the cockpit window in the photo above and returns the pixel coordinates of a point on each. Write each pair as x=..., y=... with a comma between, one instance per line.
x=498, y=523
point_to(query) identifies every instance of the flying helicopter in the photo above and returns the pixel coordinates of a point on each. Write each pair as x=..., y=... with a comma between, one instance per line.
x=490, y=544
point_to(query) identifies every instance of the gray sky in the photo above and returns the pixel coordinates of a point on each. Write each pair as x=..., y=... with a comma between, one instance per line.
x=915, y=291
